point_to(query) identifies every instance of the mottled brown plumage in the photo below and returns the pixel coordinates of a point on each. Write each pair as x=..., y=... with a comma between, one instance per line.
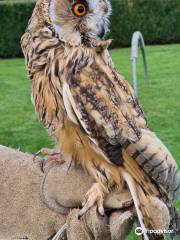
x=91, y=110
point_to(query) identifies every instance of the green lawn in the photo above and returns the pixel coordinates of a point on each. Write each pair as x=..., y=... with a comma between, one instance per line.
x=160, y=99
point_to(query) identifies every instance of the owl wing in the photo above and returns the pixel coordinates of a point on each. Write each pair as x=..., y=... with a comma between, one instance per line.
x=105, y=107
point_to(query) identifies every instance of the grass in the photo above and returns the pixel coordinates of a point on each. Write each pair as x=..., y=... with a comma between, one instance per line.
x=160, y=99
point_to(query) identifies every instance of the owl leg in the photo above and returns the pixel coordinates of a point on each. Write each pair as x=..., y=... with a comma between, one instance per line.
x=95, y=195
x=51, y=154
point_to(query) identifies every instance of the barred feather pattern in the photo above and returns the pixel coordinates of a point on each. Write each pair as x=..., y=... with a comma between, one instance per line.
x=93, y=114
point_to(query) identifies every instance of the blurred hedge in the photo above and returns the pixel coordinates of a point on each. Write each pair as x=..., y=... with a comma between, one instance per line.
x=158, y=20
x=14, y=16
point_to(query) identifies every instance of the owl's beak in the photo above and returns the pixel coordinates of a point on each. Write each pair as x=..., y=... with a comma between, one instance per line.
x=102, y=32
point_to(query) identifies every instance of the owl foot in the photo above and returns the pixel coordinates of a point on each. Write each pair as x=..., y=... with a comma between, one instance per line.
x=95, y=195
x=51, y=154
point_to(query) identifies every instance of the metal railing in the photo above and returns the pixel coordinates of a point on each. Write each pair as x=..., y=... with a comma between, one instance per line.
x=138, y=42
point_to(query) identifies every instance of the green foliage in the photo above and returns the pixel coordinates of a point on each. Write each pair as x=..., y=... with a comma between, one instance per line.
x=158, y=20
x=14, y=16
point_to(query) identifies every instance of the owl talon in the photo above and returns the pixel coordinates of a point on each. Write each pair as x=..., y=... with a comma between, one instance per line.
x=93, y=196
x=101, y=210
x=51, y=155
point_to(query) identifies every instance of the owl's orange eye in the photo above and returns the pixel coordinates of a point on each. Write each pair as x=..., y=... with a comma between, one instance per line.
x=79, y=9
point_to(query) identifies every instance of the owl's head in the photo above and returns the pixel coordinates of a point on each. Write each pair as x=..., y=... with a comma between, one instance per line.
x=80, y=21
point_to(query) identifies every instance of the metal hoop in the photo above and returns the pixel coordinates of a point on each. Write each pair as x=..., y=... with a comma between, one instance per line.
x=136, y=42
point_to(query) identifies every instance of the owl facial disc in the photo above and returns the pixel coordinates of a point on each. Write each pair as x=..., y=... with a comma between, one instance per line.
x=80, y=21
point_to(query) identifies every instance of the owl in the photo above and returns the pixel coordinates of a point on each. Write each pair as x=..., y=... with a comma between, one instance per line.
x=92, y=111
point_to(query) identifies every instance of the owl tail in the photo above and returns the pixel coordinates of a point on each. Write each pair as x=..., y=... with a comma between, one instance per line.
x=152, y=213
x=132, y=187
x=157, y=162
x=149, y=164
